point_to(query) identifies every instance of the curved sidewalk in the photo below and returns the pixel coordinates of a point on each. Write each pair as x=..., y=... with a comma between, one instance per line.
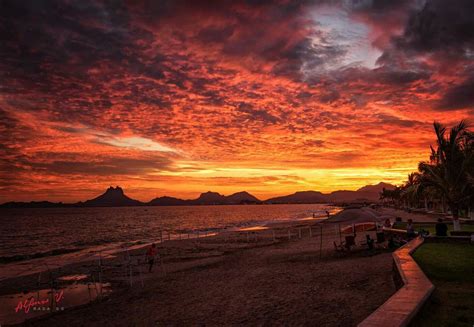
x=401, y=307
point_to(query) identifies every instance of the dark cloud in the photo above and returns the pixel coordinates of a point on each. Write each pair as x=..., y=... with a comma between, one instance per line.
x=105, y=167
x=385, y=75
x=395, y=121
x=214, y=34
x=375, y=6
x=329, y=96
x=389, y=75
x=446, y=26
x=248, y=112
x=459, y=96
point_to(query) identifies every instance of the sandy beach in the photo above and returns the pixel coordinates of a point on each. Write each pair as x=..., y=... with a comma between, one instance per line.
x=280, y=274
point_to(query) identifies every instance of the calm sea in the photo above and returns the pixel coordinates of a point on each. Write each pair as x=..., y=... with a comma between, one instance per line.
x=43, y=232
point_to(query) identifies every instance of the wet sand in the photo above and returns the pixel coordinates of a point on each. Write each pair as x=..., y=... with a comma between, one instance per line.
x=233, y=278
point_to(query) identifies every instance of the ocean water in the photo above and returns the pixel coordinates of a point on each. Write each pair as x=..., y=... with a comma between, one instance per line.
x=27, y=233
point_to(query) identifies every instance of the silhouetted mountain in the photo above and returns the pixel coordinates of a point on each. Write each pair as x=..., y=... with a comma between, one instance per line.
x=368, y=193
x=241, y=197
x=210, y=198
x=299, y=197
x=167, y=201
x=113, y=197
x=376, y=188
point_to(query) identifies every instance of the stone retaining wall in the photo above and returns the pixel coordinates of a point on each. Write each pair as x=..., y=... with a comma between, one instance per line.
x=401, y=307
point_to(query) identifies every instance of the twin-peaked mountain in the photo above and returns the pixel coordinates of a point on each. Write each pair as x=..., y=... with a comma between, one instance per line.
x=208, y=198
x=115, y=197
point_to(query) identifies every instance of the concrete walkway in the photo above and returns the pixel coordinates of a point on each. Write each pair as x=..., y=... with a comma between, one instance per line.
x=400, y=309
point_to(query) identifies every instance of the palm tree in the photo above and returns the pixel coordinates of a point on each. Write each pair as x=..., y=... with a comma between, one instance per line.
x=392, y=196
x=450, y=169
x=409, y=191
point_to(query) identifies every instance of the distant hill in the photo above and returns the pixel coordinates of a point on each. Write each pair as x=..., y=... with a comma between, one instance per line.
x=376, y=188
x=241, y=197
x=208, y=198
x=115, y=197
x=299, y=197
x=368, y=193
x=167, y=201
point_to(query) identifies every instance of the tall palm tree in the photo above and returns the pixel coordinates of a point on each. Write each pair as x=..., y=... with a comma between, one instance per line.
x=450, y=169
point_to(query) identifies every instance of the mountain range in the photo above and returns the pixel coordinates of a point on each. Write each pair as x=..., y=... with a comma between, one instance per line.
x=115, y=197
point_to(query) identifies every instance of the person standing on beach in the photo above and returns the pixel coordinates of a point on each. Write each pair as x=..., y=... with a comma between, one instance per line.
x=150, y=256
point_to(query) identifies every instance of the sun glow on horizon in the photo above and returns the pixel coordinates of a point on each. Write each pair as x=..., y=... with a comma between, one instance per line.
x=267, y=97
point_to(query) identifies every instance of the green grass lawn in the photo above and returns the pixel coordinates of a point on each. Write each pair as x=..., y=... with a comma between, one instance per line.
x=431, y=227
x=450, y=267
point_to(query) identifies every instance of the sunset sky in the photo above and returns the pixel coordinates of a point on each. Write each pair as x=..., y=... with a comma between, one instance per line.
x=181, y=97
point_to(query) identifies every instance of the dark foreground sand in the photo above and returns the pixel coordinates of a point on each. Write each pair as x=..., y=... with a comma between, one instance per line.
x=283, y=284
x=231, y=279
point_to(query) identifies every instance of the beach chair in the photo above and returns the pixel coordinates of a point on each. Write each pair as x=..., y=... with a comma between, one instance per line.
x=339, y=247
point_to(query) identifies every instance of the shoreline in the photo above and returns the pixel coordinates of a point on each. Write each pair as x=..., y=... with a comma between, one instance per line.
x=83, y=253
x=188, y=255
x=110, y=250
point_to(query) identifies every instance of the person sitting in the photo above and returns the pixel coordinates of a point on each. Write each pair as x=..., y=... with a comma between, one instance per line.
x=387, y=223
x=441, y=228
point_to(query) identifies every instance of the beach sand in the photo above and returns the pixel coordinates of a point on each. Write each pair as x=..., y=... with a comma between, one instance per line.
x=234, y=278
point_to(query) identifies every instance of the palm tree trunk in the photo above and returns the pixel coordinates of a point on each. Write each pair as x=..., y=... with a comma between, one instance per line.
x=455, y=211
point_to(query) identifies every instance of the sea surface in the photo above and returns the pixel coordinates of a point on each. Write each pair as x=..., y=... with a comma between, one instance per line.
x=27, y=233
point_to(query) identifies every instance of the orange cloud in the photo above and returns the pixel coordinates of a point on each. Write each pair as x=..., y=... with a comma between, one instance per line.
x=175, y=98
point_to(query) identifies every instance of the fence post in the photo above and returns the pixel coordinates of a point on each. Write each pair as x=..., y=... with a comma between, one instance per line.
x=139, y=270
x=131, y=278
x=100, y=273
x=320, y=242
x=340, y=237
